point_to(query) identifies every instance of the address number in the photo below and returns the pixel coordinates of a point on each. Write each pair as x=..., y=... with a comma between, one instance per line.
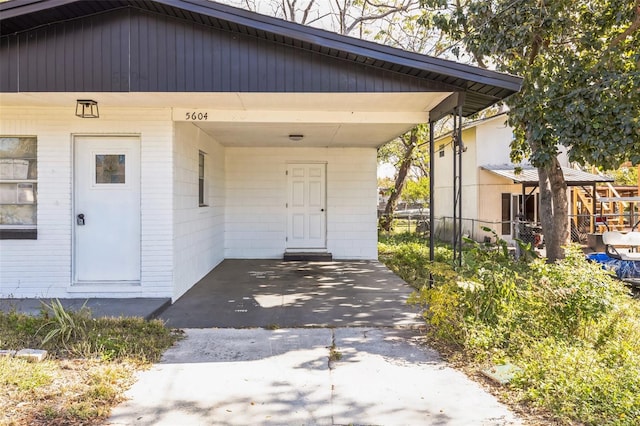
x=197, y=116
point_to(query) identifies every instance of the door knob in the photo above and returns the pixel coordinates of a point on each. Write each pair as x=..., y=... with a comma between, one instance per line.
x=321, y=210
x=80, y=219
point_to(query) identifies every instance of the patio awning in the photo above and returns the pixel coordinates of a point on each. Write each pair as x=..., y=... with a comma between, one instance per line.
x=527, y=175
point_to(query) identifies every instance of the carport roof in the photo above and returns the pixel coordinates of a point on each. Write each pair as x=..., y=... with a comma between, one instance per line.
x=528, y=175
x=482, y=87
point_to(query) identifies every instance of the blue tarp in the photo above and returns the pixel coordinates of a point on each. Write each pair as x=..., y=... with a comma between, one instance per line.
x=622, y=268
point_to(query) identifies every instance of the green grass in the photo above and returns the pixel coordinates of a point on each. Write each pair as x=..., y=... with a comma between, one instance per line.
x=25, y=376
x=76, y=334
x=570, y=326
x=91, y=362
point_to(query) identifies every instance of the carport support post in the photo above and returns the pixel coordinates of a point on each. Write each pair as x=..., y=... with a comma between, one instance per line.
x=432, y=220
x=458, y=149
x=451, y=105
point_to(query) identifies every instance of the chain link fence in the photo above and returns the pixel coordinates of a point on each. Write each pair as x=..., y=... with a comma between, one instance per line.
x=527, y=232
x=471, y=228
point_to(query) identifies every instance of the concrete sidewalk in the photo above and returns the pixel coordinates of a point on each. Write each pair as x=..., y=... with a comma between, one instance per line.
x=285, y=377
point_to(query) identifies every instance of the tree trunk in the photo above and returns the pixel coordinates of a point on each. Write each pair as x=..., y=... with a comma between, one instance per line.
x=554, y=210
x=387, y=218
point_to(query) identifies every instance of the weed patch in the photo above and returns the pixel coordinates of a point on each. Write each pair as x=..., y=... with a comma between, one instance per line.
x=334, y=353
x=91, y=364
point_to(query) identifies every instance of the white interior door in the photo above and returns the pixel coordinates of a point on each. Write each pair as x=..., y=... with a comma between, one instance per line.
x=306, y=206
x=107, y=209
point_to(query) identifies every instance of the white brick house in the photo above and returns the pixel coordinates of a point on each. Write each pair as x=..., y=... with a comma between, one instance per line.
x=221, y=134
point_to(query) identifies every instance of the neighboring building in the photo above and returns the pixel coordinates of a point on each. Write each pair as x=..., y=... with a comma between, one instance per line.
x=220, y=133
x=494, y=194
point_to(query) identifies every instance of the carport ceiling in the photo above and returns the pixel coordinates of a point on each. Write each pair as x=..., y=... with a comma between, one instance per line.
x=325, y=120
x=315, y=135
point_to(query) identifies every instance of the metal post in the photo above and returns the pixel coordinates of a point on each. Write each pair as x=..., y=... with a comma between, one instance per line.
x=454, y=143
x=592, y=221
x=458, y=148
x=460, y=151
x=451, y=105
x=432, y=222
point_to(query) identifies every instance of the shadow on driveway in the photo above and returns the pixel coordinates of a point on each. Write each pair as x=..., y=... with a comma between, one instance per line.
x=288, y=377
x=273, y=293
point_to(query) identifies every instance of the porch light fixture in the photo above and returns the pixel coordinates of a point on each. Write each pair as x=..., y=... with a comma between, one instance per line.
x=87, y=108
x=296, y=138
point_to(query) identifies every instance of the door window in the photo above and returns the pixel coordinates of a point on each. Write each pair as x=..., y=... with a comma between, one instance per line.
x=110, y=168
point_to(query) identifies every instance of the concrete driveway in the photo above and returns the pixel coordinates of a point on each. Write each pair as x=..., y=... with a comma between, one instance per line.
x=343, y=348
x=269, y=293
x=289, y=377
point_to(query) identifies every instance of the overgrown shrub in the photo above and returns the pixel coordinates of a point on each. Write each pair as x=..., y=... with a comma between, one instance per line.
x=569, y=325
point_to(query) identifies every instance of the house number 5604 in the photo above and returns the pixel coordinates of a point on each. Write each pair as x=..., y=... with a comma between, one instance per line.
x=197, y=116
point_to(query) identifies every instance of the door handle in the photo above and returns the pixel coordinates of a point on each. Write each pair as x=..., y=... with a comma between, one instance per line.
x=321, y=210
x=80, y=219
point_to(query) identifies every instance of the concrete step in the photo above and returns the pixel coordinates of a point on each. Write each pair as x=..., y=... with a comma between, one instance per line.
x=307, y=257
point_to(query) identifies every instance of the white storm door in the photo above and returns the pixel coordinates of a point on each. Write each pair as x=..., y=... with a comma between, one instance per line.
x=107, y=209
x=306, y=206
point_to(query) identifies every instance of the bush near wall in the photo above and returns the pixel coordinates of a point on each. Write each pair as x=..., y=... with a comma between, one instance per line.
x=570, y=326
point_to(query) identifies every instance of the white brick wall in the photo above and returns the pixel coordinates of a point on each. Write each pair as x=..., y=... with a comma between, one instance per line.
x=180, y=242
x=198, y=231
x=256, y=194
x=42, y=267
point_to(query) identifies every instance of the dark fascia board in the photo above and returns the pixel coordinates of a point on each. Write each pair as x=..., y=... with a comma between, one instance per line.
x=303, y=33
x=13, y=8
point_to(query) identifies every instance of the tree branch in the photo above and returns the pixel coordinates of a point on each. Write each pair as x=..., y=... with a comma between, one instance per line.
x=306, y=11
x=317, y=18
x=633, y=27
x=536, y=43
x=373, y=17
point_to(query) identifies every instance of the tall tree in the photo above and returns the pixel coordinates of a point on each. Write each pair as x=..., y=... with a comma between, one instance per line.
x=401, y=153
x=361, y=18
x=581, y=67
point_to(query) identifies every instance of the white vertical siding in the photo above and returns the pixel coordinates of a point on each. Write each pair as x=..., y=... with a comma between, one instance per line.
x=443, y=167
x=494, y=138
x=42, y=267
x=256, y=194
x=198, y=231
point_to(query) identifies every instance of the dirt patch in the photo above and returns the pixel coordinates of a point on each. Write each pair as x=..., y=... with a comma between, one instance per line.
x=62, y=392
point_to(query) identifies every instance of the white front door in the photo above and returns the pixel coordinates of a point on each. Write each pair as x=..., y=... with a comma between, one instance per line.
x=107, y=209
x=306, y=206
